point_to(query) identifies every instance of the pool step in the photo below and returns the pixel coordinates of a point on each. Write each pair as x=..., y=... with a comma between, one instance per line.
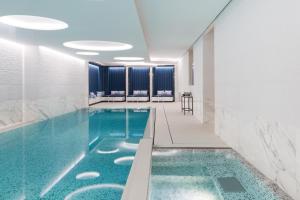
x=231, y=184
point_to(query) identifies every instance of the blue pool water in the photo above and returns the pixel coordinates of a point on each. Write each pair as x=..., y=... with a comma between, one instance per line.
x=208, y=175
x=81, y=155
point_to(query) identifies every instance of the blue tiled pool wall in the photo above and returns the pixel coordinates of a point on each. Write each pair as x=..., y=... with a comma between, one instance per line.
x=208, y=165
x=34, y=157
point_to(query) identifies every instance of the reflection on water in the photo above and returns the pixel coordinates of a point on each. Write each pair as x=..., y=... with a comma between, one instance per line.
x=41, y=161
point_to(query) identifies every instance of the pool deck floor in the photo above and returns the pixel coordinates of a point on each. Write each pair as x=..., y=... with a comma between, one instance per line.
x=173, y=128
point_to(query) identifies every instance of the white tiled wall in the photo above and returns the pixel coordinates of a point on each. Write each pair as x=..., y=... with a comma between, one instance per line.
x=11, y=77
x=257, y=82
x=38, y=83
x=52, y=88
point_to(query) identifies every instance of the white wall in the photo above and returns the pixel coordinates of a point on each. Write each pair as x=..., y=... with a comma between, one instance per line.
x=257, y=79
x=54, y=83
x=197, y=88
x=38, y=83
x=183, y=74
x=208, y=78
x=183, y=78
x=11, y=77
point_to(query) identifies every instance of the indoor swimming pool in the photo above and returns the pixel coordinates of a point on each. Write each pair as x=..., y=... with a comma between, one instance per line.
x=208, y=175
x=86, y=154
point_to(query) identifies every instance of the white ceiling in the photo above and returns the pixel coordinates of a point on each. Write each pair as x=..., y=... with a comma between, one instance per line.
x=172, y=26
x=159, y=28
x=112, y=20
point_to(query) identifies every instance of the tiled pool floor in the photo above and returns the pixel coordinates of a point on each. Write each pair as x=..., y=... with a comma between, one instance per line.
x=85, y=154
x=208, y=175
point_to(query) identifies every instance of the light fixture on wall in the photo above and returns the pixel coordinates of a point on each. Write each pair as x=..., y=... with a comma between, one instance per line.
x=61, y=175
x=87, y=175
x=87, y=53
x=129, y=58
x=126, y=160
x=97, y=45
x=33, y=22
x=49, y=51
x=11, y=43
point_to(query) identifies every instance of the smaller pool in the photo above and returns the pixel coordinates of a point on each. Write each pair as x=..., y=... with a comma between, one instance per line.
x=208, y=175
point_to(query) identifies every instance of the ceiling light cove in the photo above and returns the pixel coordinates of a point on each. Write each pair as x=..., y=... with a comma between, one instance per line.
x=129, y=58
x=96, y=45
x=33, y=22
x=87, y=53
x=164, y=59
x=136, y=63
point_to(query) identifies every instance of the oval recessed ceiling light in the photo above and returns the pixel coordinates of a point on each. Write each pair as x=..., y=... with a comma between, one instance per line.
x=33, y=22
x=129, y=58
x=87, y=53
x=96, y=45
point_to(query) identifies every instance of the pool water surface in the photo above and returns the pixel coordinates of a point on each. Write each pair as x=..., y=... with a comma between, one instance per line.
x=86, y=154
x=208, y=175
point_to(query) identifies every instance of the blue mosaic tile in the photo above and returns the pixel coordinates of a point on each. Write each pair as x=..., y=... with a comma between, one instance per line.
x=42, y=160
x=188, y=166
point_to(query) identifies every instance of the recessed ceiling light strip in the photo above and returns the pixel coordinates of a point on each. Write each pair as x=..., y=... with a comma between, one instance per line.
x=87, y=53
x=96, y=45
x=129, y=58
x=33, y=22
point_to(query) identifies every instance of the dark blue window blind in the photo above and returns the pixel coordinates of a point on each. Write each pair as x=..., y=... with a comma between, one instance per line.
x=93, y=78
x=117, y=79
x=163, y=79
x=138, y=79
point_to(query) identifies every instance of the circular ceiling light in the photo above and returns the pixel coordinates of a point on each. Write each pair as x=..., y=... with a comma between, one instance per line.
x=96, y=45
x=33, y=22
x=87, y=53
x=129, y=58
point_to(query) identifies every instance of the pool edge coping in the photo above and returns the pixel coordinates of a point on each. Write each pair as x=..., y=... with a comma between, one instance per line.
x=138, y=181
x=137, y=185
